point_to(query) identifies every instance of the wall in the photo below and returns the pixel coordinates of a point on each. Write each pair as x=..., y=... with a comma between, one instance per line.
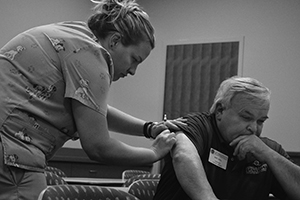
x=271, y=50
x=271, y=54
x=19, y=15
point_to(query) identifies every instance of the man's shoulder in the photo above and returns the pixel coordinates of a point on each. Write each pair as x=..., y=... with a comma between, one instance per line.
x=197, y=123
x=200, y=118
x=199, y=129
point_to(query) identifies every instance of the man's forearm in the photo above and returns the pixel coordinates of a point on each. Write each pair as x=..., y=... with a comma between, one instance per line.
x=194, y=182
x=286, y=172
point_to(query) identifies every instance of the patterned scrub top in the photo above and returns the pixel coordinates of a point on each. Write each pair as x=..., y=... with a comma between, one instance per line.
x=41, y=70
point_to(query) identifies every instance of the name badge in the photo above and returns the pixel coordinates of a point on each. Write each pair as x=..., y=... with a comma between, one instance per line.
x=217, y=158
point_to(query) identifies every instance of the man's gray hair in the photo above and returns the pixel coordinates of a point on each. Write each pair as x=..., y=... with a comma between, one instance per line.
x=234, y=85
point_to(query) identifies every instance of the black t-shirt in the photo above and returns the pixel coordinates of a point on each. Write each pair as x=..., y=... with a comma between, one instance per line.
x=248, y=179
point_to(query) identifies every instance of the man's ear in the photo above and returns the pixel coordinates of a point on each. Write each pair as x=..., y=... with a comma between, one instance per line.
x=115, y=39
x=219, y=109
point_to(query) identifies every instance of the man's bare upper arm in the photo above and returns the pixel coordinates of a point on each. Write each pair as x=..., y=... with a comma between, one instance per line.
x=184, y=145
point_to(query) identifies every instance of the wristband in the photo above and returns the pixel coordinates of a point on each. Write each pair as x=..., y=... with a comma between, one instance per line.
x=147, y=129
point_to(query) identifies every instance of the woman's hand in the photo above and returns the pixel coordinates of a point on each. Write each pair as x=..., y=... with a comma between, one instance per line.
x=172, y=124
x=158, y=127
x=163, y=143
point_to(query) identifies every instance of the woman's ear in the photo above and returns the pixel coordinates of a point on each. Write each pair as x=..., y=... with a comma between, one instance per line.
x=115, y=39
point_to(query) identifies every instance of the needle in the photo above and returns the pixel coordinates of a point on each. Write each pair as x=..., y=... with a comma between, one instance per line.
x=165, y=117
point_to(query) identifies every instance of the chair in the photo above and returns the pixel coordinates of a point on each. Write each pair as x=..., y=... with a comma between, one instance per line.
x=143, y=189
x=129, y=181
x=56, y=171
x=54, y=179
x=132, y=172
x=83, y=192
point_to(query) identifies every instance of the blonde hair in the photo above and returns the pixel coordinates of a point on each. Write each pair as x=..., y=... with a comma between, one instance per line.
x=123, y=16
x=234, y=85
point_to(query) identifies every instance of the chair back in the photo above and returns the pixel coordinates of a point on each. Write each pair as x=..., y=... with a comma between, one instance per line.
x=129, y=181
x=143, y=189
x=54, y=179
x=56, y=171
x=132, y=172
x=83, y=192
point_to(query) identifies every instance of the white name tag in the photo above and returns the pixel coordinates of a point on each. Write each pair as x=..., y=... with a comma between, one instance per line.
x=217, y=158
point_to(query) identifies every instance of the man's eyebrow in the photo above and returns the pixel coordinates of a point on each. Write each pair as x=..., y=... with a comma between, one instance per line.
x=249, y=113
x=265, y=118
x=246, y=112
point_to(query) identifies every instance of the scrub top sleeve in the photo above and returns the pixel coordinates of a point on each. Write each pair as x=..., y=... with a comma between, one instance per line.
x=88, y=79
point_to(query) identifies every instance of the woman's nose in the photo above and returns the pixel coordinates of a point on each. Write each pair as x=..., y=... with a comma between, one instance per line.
x=132, y=70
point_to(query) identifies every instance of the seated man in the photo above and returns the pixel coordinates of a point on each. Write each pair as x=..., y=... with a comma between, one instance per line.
x=221, y=155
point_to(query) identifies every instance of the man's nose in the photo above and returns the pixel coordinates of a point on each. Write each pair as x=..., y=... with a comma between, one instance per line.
x=252, y=128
